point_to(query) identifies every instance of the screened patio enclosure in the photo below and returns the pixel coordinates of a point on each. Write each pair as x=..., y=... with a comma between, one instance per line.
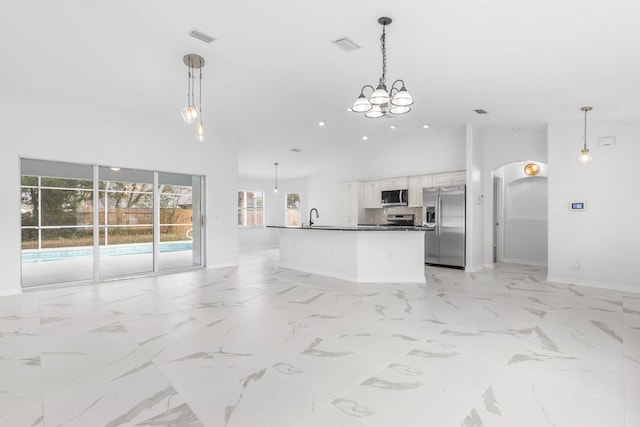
x=87, y=223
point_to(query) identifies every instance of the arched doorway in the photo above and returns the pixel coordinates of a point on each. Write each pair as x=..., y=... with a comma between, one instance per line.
x=520, y=214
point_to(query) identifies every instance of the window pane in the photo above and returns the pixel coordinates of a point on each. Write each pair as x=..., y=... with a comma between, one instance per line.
x=67, y=237
x=29, y=206
x=66, y=183
x=66, y=207
x=175, y=213
x=293, y=209
x=250, y=208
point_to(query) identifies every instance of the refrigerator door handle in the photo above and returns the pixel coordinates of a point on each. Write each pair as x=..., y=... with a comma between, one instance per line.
x=439, y=216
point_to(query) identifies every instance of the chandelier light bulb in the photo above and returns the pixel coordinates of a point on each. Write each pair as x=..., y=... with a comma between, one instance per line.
x=189, y=114
x=585, y=157
x=379, y=96
x=200, y=131
x=402, y=98
x=362, y=104
x=375, y=112
x=399, y=109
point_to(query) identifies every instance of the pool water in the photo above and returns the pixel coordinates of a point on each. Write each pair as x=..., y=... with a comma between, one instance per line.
x=60, y=254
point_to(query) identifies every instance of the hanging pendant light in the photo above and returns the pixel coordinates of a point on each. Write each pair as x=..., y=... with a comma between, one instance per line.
x=382, y=101
x=585, y=157
x=275, y=190
x=191, y=113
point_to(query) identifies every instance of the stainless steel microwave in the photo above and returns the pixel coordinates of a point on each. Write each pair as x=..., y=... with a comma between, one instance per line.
x=395, y=198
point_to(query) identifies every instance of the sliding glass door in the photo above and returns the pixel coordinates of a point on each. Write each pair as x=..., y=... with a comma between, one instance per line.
x=126, y=222
x=56, y=212
x=180, y=240
x=88, y=223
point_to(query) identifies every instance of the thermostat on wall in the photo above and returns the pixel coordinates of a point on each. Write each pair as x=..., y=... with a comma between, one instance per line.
x=577, y=206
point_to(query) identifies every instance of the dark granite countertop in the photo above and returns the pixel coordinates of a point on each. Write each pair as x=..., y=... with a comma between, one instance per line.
x=346, y=228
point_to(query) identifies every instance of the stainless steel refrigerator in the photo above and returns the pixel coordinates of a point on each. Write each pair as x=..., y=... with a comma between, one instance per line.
x=443, y=219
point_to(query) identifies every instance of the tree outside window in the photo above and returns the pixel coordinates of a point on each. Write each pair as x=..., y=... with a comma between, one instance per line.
x=293, y=210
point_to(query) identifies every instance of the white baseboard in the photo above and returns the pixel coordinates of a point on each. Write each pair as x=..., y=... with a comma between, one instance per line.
x=623, y=287
x=213, y=267
x=525, y=262
x=10, y=292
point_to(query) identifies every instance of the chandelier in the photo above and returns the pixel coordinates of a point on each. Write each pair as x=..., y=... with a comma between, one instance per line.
x=190, y=113
x=395, y=101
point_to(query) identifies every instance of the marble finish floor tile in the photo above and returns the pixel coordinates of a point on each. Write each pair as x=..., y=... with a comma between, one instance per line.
x=258, y=345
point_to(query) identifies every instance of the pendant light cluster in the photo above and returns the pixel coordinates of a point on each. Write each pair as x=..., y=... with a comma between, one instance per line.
x=191, y=113
x=395, y=101
x=585, y=157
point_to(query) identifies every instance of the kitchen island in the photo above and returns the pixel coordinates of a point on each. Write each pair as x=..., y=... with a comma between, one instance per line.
x=357, y=254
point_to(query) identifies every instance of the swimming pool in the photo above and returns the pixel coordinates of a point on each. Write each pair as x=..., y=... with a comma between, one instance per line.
x=60, y=254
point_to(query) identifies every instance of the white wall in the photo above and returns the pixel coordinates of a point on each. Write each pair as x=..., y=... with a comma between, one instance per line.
x=438, y=150
x=253, y=238
x=502, y=146
x=57, y=129
x=525, y=214
x=600, y=246
x=475, y=199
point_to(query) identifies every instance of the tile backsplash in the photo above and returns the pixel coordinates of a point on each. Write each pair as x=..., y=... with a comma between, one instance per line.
x=379, y=215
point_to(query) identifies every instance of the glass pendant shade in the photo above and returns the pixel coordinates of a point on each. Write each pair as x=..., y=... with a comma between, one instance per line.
x=379, y=96
x=200, y=131
x=585, y=157
x=399, y=109
x=362, y=104
x=189, y=114
x=375, y=112
x=402, y=98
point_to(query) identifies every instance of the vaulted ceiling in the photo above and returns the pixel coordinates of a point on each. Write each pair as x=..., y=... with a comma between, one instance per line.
x=272, y=73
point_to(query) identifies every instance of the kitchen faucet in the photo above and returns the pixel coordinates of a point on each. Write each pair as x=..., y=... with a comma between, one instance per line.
x=311, y=212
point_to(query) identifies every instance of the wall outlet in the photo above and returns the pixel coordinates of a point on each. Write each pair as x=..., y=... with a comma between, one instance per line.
x=576, y=265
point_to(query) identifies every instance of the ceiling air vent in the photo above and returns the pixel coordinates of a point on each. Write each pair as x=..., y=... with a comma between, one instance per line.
x=197, y=34
x=345, y=44
x=480, y=111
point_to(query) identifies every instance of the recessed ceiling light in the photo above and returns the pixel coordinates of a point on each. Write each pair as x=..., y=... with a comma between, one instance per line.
x=365, y=137
x=296, y=150
x=321, y=123
x=425, y=126
x=393, y=126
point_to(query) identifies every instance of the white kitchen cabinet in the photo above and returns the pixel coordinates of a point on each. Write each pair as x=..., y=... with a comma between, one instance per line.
x=416, y=184
x=449, y=178
x=351, y=202
x=372, y=196
x=460, y=177
x=400, y=183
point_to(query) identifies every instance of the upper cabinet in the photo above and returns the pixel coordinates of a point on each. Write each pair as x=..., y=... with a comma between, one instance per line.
x=394, y=184
x=449, y=178
x=416, y=184
x=372, y=197
x=352, y=201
